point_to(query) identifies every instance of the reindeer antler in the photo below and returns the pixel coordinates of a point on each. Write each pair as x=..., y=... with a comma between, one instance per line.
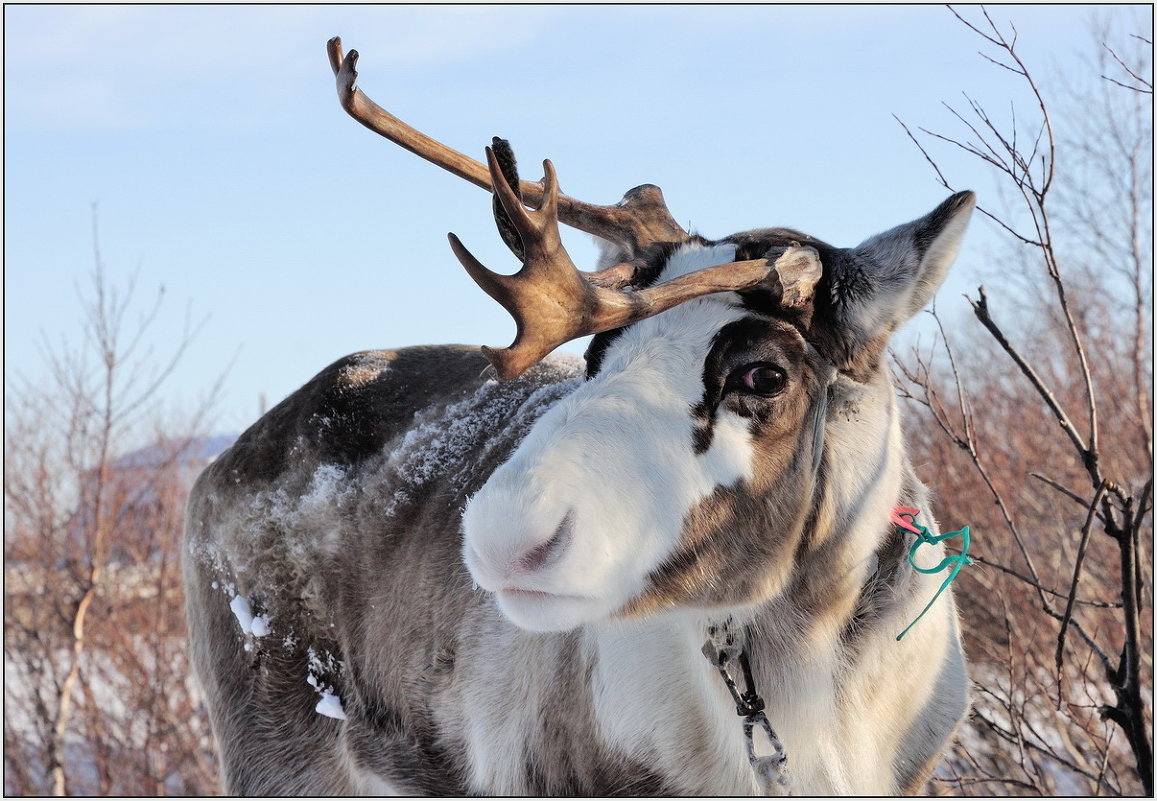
x=552, y=302
x=639, y=220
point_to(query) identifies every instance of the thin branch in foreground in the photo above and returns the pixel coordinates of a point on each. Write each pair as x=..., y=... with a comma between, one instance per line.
x=980, y=308
x=1080, y=561
x=1021, y=577
x=1062, y=489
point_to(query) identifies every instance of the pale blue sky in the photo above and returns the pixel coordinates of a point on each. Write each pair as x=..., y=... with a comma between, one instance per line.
x=211, y=139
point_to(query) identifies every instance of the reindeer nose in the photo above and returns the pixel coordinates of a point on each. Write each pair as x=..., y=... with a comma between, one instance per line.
x=541, y=554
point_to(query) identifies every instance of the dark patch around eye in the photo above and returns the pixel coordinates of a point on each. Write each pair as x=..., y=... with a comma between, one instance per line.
x=743, y=334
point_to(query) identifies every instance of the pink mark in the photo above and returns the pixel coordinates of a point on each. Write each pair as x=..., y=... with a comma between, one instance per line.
x=898, y=518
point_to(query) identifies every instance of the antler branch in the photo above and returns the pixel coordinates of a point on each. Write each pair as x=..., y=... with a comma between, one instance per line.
x=382, y=122
x=639, y=220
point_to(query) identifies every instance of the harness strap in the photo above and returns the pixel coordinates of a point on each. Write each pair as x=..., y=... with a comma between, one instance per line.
x=721, y=649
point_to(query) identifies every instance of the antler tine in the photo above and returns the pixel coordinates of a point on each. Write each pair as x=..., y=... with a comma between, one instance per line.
x=544, y=256
x=547, y=295
x=519, y=216
x=639, y=220
x=541, y=241
x=382, y=122
x=552, y=302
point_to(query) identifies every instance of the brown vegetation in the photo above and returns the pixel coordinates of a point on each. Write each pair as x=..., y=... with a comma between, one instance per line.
x=1034, y=425
x=97, y=693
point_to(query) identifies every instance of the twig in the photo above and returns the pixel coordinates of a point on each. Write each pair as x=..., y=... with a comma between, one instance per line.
x=1068, y=614
x=1146, y=87
x=1004, y=569
x=1061, y=488
x=980, y=308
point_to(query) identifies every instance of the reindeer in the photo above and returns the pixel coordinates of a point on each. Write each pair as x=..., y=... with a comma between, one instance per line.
x=452, y=570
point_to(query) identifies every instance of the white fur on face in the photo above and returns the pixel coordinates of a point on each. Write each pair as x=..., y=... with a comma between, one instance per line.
x=594, y=499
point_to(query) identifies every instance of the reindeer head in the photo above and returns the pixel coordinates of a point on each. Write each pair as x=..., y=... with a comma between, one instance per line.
x=735, y=413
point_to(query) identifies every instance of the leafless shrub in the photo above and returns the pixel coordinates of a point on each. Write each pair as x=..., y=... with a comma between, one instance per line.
x=97, y=696
x=1036, y=428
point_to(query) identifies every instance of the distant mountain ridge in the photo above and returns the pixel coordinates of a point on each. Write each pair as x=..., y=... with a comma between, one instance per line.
x=191, y=452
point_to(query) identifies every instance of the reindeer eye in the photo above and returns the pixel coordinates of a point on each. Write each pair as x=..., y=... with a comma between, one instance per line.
x=759, y=379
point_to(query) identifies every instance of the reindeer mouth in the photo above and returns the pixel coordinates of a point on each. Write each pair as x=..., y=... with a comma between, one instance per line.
x=540, y=595
x=536, y=610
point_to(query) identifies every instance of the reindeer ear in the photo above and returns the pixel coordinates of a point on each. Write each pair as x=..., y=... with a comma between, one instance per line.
x=913, y=259
x=876, y=287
